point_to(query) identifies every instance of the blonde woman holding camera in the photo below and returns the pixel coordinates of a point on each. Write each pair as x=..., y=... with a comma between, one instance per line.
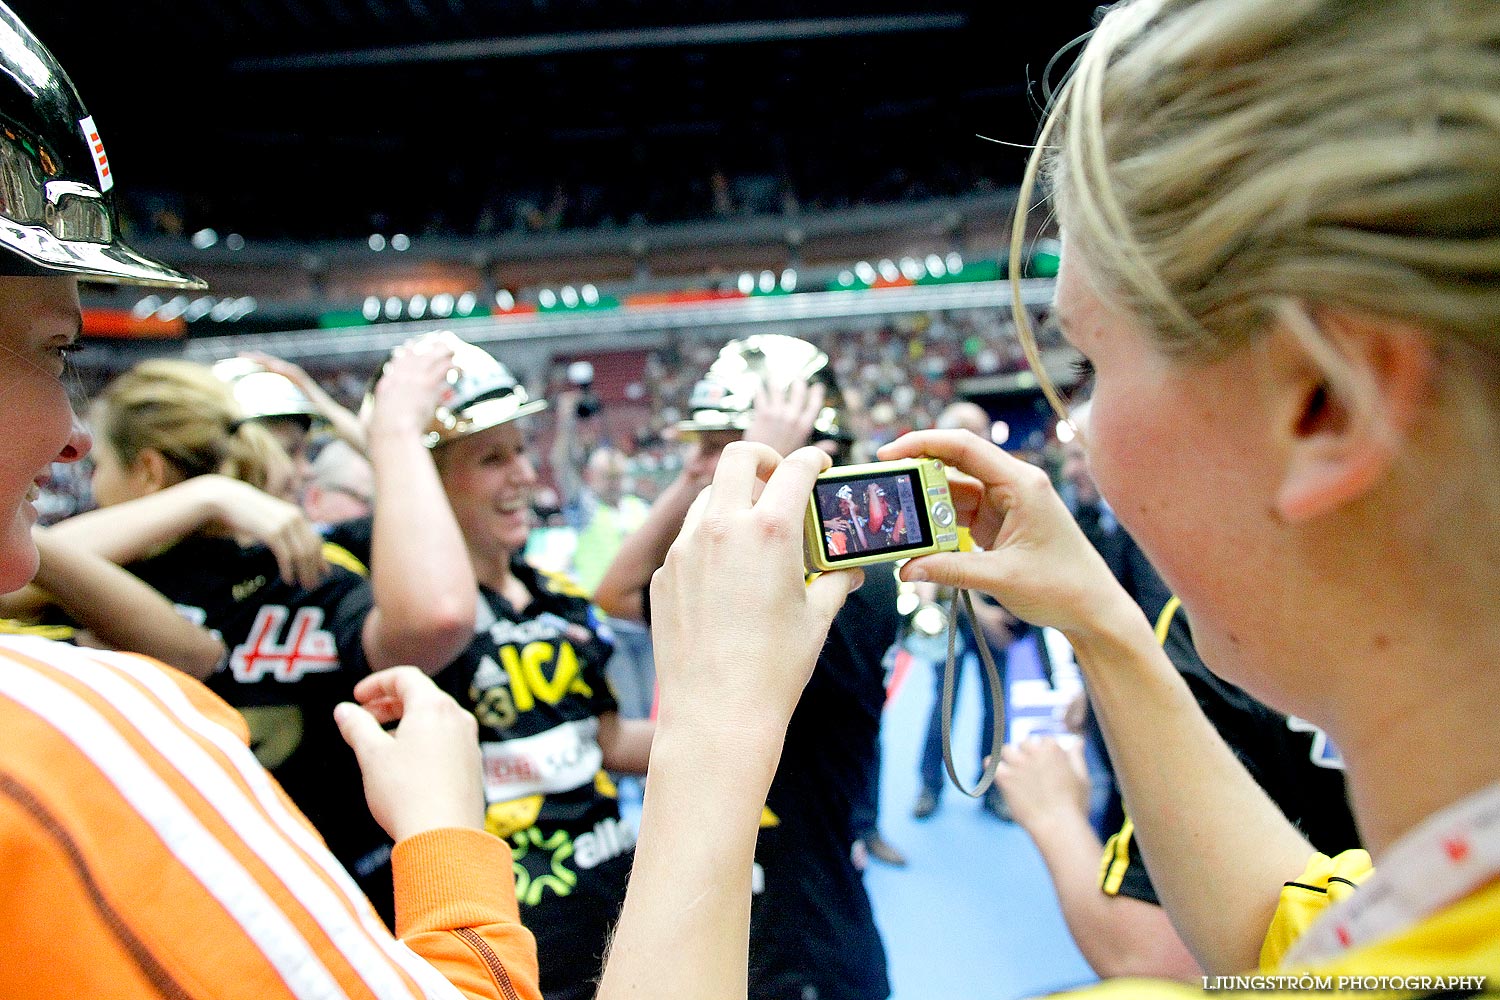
x=1282, y=229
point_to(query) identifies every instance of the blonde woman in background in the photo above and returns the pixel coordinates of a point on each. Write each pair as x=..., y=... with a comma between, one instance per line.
x=183, y=481
x=1282, y=231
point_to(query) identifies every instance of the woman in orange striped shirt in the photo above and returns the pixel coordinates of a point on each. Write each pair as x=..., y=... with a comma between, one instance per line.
x=147, y=852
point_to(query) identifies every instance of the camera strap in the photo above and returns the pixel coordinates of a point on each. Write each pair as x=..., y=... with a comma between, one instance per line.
x=950, y=696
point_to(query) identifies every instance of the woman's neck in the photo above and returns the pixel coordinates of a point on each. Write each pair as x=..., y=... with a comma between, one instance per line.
x=1416, y=747
x=492, y=568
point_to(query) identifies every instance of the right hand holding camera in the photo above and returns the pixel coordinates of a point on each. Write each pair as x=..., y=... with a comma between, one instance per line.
x=1036, y=561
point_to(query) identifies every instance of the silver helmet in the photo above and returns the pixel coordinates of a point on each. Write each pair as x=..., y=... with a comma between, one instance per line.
x=482, y=393
x=724, y=398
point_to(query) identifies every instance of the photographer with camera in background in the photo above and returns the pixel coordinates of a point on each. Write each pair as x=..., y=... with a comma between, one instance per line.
x=812, y=931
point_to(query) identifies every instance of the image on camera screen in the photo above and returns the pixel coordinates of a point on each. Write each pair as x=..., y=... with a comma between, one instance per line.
x=874, y=514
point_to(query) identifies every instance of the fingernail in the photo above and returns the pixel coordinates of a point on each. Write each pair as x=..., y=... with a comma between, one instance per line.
x=916, y=574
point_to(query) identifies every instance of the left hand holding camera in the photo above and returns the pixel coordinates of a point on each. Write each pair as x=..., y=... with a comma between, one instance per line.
x=736, y=630
x=736, y=633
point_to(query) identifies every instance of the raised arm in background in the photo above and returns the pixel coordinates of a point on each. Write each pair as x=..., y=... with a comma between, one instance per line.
x=425, y=590
x=344, y=423
x=782, y=418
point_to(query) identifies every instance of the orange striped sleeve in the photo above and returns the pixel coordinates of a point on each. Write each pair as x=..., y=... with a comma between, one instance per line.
x=148, y=854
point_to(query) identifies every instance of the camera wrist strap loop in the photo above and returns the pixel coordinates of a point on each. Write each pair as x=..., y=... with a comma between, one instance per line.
x=950, y=696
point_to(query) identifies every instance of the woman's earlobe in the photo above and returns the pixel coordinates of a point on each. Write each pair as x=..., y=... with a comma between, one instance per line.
x=151, y=470
x=1352, y=425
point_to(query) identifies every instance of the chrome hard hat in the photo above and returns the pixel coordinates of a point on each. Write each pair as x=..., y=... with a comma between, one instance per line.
x=482, y=393
x=724, y=398
x=57, y=213
x=262, y=393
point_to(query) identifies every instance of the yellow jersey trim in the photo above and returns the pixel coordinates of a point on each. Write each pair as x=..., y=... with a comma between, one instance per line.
x=337, y=555
x=1116, y=860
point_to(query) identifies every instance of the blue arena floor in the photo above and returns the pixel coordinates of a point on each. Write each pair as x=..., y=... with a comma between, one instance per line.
x=973, y=915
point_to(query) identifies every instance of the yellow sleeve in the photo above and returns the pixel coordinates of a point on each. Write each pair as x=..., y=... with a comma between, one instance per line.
x=1324, y=881
x=1134, y=989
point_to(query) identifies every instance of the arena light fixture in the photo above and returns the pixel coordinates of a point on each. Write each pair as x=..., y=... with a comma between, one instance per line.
x=198, y=308
x=1065, y=432
x=371, y=310
x=400, y=242
x=789, y=280
x=767, y=282
x=547, y=297
x=393, y=308
x=466, y=303
x=910, y=269
x=234, y=241
x=145, y=307
x=935, y=266
x=747, y=283
x=173, y=309
x=570, y=296
x=955, y=262
x=416, y=306
x=505, y=300
x=377, y=242
x=590, y=295
x=442, y=305
x=205, y=238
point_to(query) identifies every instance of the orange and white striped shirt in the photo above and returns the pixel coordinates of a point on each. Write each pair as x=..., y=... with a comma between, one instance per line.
x=144, y=852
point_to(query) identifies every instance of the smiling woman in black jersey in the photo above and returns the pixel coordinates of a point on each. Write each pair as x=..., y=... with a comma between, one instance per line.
x=522, y=649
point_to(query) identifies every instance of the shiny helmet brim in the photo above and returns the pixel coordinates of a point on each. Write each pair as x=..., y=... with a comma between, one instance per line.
x=480, y=416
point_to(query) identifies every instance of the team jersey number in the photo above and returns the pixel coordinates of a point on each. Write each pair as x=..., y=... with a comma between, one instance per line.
x=499, y=698
x=285, y=652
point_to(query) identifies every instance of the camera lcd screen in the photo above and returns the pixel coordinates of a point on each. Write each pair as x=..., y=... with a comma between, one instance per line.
x=874, y=514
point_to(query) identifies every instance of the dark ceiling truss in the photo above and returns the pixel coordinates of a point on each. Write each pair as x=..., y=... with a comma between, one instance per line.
x=735, y=33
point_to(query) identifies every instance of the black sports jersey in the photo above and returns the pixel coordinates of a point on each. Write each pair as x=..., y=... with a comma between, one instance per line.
x=355, y=536
x=812, y=930
x=288, y=665
x=1291, y=759
x=534, y=678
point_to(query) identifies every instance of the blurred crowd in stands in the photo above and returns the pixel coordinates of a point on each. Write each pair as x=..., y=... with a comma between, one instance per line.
x=898, y=373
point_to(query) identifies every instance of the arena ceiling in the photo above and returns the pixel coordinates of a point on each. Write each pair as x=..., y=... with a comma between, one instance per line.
x=317, y=119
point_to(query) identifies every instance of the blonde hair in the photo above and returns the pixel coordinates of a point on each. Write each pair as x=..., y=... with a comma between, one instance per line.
x=183, y=411
x=1219, y=161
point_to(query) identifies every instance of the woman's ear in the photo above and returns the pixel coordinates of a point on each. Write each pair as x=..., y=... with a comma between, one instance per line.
x=151, y=471
x=1360, y=386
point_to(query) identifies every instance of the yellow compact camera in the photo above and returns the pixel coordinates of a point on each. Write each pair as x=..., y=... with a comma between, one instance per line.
x=863, y=514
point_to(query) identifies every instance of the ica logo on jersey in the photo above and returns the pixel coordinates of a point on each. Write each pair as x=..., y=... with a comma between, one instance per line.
x=540, y=671
x=305, y=649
